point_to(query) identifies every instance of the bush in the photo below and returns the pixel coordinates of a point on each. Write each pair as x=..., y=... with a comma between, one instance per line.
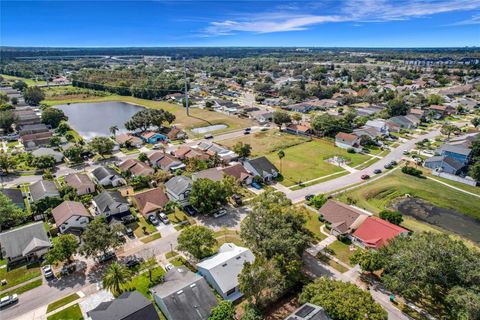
x=412, y=171
x=351, y=150
x=317, y=201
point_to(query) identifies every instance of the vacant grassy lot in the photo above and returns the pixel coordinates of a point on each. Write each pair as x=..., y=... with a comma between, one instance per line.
x=29, y=82
x=197, y=118
x=266, y=142
x=70, y=313
x=64, y=301
x=306, y=161
x=378, y=195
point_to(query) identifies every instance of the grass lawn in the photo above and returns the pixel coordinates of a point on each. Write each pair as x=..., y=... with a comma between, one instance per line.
x=178, y=261
x=335, y=265
x=70, y=313
x=306, y=161
x=137, y=226
x=151, y=238
x=311, y=183
x=229, y=239
x=226, y=232
x=29, y=82
x=367, y=163
x=171, y=254
x=19, y=290
x=313, y=224
x=19, y=275
x=177, y=216
x=142, y=281
x=64, y=301
x=266, y=142
x=378, y=195
x=198, y=117
x=456, y=184
x=342, y=251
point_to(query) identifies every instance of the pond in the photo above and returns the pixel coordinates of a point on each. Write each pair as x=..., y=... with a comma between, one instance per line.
x=95, y=119
x=447, y=219
x=215, y=127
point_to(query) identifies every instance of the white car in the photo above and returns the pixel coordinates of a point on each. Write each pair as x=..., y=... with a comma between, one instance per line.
x=8, y=300
x=169, y=267
x=220, y=213
x=47, y=271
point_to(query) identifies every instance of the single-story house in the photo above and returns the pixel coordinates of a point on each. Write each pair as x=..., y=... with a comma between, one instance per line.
x=150, y=202
x=48, y=152
x=379, y=125
x=16, y=196
x=222, y=269
x=262, y=116
x=301, y=129
x=33, y=128
x=178, y=188
x=444, y=164
x=440, y=112
x=346, y=141
x=124, y=139
x=165, y=161
x=405, y=122
x=71, y=216
x=184, y=295
x=43, y=189
x=214, y=174
x=136, y=168
x=152, y=137
x=81, y=182
x=31, y=141
x=27, y=242
x=342, y=218
x=174, y=133
x=107, y=177
x=309, y=311
x=393, y=126
x=417, y=112
x=239, y=172
x=111, y=203
x=459, y=152
x=367, y=131
x=375, y=233
x=213, y=149
x=130, y=305
x=186, y=152
x=261, y=167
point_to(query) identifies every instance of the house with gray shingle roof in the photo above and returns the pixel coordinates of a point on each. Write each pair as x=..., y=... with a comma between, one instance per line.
x=43, y=189
x=111, y=204
x=178, y=188
x=27, y=242
x=261, y=167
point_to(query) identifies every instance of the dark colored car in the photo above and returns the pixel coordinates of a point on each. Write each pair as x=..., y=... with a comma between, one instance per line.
x=388, y=166
x=132, y=262
x=365, y=177
x=190, y=210
x=130, y=233
x=393, y=163
x=248, y=129
x=377, y=171
x=246, y=132
x=237, y=199
x=309, y=197
x=208, y=136
x=106, y=257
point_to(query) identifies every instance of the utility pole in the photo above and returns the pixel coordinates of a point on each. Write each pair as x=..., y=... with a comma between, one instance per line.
x=186, y=86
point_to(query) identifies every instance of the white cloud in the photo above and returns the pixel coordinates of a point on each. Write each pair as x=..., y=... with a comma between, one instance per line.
x=349, y=11
x=475, y=19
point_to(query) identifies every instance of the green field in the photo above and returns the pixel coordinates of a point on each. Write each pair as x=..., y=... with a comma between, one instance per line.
x=341, y=251
x=379, y=194
x=142, y=282
x=64, y=301
x=19, y=275
x=306, y=161
x=70, y=313
x=266, y=142
x=197, y=118
x=29, y=82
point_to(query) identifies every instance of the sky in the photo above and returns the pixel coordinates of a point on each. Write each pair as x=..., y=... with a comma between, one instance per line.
x=261, y=23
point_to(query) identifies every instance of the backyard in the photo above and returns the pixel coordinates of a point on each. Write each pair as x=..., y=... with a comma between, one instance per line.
x=307, y=161
x=266, y=142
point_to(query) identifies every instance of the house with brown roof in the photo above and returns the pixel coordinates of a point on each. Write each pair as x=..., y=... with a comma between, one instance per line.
x=81, y=182
x=165, y=161
x=302, y=129
x=239, y=172
x=71, y=216
x=136, y=168
x=440, y=112
x=150, y=202
x=186, y=152
x=128, y=139
x=342, y=218
x=31, y=141
x=346, y=141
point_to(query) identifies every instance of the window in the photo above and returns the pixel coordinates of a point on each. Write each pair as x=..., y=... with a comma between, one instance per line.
x=231, y=291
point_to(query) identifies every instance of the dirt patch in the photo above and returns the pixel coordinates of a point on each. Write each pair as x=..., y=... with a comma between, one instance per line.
x=447, y=219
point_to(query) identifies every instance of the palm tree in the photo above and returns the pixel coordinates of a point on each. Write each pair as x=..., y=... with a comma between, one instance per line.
x=115, y=277
x=281, y=155
x=113, y=130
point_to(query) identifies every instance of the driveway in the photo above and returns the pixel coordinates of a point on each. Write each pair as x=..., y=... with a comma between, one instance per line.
x=229, y=221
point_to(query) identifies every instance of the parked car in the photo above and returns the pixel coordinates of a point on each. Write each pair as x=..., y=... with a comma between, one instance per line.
x=130, y=233
x=388, y=166
x=393, y=163
x=163, y=217
x=237, y=199
x=8, y=300
x=157, y=146
x=133, y=262
x=365, y=177
x=190, y=210
x=377, y=171
x=264, y=129
x=208, y=136
x=256, y=186
x=169, y=267
x=309, y=197
x=68, y=268
x=153, y=220
x=248, y=129
x=47, y=271
x=246, y=132
x=219, y=213
x=107, y=256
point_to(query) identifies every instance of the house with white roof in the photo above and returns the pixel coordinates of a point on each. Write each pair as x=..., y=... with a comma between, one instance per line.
x=222, y=269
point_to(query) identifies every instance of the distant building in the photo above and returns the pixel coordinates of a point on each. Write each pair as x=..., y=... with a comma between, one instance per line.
x=346, y=141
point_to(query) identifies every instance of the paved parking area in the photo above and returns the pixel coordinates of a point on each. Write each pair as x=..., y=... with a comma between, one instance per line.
x=230, y=221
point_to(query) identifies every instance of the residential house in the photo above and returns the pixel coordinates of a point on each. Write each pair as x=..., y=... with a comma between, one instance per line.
x=375, y=233
x=40, y=152
x=136, y=168
x=165, y=161
x=300, y=129
x=342, y=218
x=31, y=141
x=262, y=116
x=444, y=164
x=174, y=133
x=178, y=188
x=28, y=242
x=153, y=137
x=71, y=216
x=302, y=107
x=26, y=116
x=309, y=311
x=328, y=103
x=16, y=196
x=222, y=269
x=379, y=125
x=213, y=149
x=81, y=182
x=393, y=126
x=184, y=295
x=261, y=167
x=43, y=189
x=150, y=202
x=214, y=174
x=186, y=152
x=417, y=112
x=130, y=305
x=33, y=128
x=348, y=141
x=111, y=204
x=459, y=152
x=405, y=122
x=370, y=132
x=239, y=172
x=128, y=139
x=107, y=177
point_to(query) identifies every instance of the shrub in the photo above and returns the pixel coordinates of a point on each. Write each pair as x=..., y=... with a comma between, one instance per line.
x=412, y=171
x=351, y=150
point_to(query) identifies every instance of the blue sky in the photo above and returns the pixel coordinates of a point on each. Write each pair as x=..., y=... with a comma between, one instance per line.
x=323, y=23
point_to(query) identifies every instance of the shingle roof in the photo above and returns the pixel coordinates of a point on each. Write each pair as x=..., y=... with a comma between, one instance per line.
x=16, y=241
x=178, y=184
x=214, y=174
x=340, y=215
x=41, y=188
x=150, y=200
x=347, y=137
x=456, y=148
x=15, y=195
x=68, y=209
x=262, y=164
x=128, y=306
x=375, y=232
x=186, y=295
x=237, y=171
x=108, y=200
x=77, y=180
x=101, y=172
